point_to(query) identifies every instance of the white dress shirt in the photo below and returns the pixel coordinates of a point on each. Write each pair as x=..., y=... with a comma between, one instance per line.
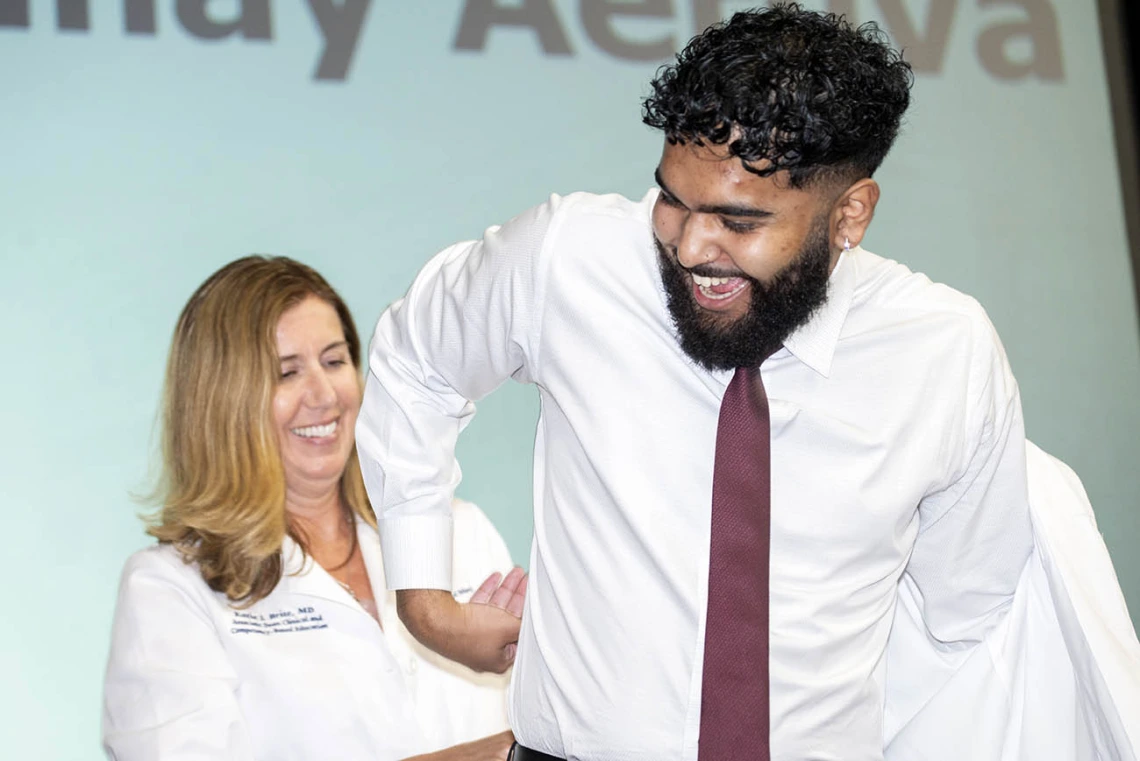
x=897, y=448
x=306, y=673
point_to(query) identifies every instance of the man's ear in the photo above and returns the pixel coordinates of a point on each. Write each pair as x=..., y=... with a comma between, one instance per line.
x=852, y=213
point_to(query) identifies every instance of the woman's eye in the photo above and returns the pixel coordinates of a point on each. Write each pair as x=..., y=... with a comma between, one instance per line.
x=287, y=374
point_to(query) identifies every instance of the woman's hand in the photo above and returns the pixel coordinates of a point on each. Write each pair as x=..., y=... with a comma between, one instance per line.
x=508, y=593
x=493, y=748
x=482, y=634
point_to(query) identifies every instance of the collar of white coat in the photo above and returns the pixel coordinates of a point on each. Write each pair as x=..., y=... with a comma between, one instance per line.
x=302, y=575
x=814, y=342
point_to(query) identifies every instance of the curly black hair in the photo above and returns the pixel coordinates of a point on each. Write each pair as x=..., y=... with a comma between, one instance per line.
x=786, y=89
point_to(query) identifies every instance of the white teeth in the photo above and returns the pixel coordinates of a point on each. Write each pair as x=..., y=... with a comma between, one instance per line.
x=708, y=282
x=315, y=431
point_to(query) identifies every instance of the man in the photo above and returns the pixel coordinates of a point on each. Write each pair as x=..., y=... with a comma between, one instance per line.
x=692, y=594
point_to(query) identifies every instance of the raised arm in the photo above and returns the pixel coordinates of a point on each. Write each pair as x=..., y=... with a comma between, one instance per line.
x=469, y=322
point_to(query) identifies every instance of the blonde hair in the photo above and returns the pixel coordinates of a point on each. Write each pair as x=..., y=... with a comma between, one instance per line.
x=222, y=484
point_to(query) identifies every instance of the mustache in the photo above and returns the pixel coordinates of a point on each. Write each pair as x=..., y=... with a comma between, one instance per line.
x=703, y=270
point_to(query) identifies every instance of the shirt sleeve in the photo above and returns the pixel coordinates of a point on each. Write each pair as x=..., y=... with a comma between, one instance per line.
x=480, y=549
x=469, y=322
x=975, y=535
x=169, y=687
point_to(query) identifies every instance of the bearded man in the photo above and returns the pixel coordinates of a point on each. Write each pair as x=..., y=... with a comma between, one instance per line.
x=756, y=437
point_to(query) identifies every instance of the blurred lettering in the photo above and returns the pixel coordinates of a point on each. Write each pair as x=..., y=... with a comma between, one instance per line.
x=339, y=21
x=1038, y=27
x=708, y=12
x=72, y=14
x=252, y=20
x=925, y=49
x=597, y=18
x=139, y=17
x=1015, y=39
x=340, y=24
x=921, y=29
x=539, y=15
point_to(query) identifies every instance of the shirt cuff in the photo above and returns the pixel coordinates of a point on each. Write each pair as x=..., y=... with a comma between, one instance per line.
x=417, y=551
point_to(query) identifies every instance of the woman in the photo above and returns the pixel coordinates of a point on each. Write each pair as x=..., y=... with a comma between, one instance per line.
x=258, y=627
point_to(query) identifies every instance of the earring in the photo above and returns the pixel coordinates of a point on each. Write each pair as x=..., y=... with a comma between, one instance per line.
x=846, y=244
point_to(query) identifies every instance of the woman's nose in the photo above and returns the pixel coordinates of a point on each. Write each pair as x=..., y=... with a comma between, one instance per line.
x=321, y=392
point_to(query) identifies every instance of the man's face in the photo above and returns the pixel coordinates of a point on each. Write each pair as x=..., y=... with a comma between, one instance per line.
x=744, y=259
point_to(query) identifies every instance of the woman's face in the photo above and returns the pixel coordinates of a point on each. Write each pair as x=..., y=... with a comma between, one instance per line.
x=317, y=398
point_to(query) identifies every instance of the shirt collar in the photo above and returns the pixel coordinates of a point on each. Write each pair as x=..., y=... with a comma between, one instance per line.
x=814, y=342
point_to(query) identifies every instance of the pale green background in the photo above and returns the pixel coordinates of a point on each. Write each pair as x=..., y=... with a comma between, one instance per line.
x=132, y=167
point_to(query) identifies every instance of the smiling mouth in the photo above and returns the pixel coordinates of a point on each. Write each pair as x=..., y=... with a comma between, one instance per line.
x=717, y=288
x=316, y=431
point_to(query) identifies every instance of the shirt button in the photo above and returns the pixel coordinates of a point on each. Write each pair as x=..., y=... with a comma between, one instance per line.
x=412, y=666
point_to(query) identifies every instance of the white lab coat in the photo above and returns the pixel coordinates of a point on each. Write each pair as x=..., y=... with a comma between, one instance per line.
x=1057, y=680
x=305, y=673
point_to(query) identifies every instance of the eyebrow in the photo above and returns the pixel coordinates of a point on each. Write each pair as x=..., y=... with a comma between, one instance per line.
x=724, y=210
x=333, y=345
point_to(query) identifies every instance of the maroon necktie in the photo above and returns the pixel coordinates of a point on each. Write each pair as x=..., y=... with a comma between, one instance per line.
x=734, y=686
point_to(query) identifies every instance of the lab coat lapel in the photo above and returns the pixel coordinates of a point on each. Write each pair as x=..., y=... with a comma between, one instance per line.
x=303, y=576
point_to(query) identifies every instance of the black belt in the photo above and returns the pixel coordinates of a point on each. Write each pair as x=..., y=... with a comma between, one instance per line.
x=519, y=753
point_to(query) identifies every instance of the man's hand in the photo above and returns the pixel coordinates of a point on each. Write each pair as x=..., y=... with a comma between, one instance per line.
x=482, y=634
x=493, y=748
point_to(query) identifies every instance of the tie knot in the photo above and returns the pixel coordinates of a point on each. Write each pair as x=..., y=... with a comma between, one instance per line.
x=745, y=374
x=755, y=369
x=746, y=392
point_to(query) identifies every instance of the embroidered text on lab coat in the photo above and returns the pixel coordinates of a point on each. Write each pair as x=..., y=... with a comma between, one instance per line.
x=278, y=622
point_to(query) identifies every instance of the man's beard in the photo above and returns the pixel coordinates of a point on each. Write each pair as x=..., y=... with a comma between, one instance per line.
x=775, y=309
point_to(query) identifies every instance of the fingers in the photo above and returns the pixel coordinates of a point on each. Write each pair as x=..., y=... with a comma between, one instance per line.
x=487, y=588
x=518, y=599
x=508, y=589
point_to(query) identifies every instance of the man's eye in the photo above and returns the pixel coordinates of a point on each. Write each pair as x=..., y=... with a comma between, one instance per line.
x=738, y=227
x=669, y=200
